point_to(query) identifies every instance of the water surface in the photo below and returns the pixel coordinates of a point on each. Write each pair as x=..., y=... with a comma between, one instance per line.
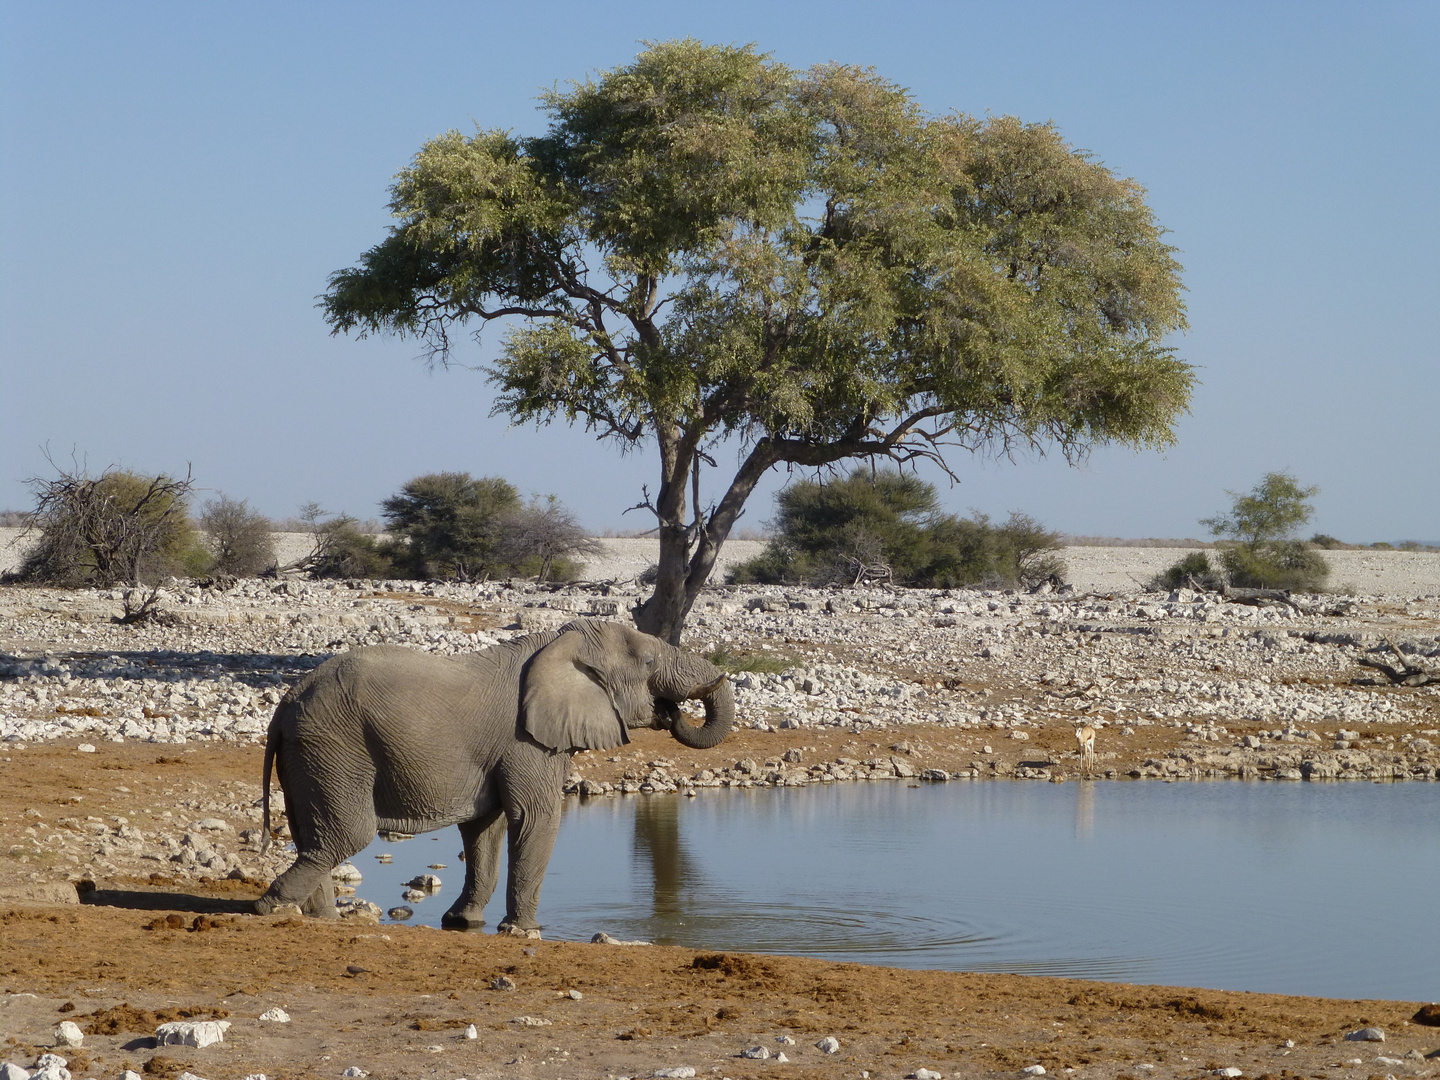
x=1297, y=888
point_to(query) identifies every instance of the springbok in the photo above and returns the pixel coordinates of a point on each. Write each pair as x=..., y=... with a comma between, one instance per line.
x=1085, y=736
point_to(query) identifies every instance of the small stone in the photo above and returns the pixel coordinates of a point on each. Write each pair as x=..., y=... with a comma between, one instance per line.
x=679, y=1072
x=502, y=982
x=50, y=1067
x=1230, y=1072
x=437, y=866
x=471, y=1032
x=428, y=882
x=414, y=895
x=346, y=872
x=781, y=1059
x=784, y=1040
x=603, y=938
x=10, y=1071
x=1389, y=1061
x=355, y=1071
x=86, y=748
x=189, y=1076
x=828, y=1045
x=69, y=1034
x=1033, y=1070
x=756, y=1053
x=1369, y=1034
x=434, y=1049
x=924, y=1074
x=131, y=1074
x=276, y=1015
x=531, y=1021
x=401, y=912
x=196, y=1033
x=575, y=995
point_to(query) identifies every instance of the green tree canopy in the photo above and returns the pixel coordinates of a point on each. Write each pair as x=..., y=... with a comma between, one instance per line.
x=707, y=244
x=1259, y=528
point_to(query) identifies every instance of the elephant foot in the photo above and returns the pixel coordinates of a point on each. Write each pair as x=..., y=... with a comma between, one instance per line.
x=277, y=909
x=461, y=920
x=515, y=930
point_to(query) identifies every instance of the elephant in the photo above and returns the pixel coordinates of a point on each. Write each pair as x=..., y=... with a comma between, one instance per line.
x=390, y=738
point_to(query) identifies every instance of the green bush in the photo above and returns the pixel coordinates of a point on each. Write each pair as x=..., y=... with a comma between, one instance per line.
x=887, y=525
x=1278, y=564
x=1259, y=552
x=240, y=539
x=1324, y=540
x=117, y=528
x=1193, y=567
x=343, y=551
x=450, y=526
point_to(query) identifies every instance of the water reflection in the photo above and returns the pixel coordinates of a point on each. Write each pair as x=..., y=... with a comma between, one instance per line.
x=657, y=843
x=1084, y=809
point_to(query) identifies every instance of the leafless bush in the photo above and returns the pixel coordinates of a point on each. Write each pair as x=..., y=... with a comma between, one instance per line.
x=117, y=528
x=14, y=519
x=240, y=538
x=543, y=538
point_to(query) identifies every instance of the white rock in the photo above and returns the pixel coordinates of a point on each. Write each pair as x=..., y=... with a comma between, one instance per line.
x=69, y=1034
x=531, y=1021
x=414, y=895
x=828, y=1045
x=190, y=1076
x=428, y=882
x=1033, y=1070
x=86, y=748
x=784, y=1040
x=471, y=1032
x=131, y=1074
x=1232, y=1072
x=355, y=1071
x=50, y=1067
x=781, y=1059
x=679, y=1072
x=1369, y=1034
x=925, y=1074
x=346, y=872
x=756, y=1053
x=603, y=938
x=196, y=1033
x=10, y=1071
x=276, y=1015
x=251, y=1076
x=1389, y=1061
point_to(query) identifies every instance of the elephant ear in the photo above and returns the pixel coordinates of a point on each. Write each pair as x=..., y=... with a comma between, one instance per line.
x=566, y=706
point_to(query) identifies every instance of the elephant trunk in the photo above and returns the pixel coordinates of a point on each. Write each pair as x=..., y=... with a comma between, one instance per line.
x=694, y=678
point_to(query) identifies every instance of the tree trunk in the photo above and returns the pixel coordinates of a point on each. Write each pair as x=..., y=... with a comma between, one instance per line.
x=683, y=572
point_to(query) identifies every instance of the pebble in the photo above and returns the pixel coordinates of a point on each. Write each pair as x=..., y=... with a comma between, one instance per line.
x=781, y=1059
x=68, y=1033
x=50, y=1067
x=924, y=1074
x=828, y=1045
x=346, y=872
x=756, y=1053
x=1367, y=1034
x=531, y=1021
x=428, y=882
x=1033, y=1070
x=356, y=1072
x=196, y=1033
x=1231, y=1072
x=275, y=1015
x=471, y=1032
x=678, y=1072
x=401, y=912
x=10, y=1071
x=502, y=982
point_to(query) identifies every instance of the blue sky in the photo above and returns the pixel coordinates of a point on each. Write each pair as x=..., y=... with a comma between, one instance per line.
x=177, y=181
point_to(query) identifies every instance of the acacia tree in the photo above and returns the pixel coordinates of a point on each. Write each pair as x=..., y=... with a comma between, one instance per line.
x=705, y=244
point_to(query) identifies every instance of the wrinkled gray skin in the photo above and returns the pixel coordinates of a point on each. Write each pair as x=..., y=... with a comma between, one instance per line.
x=390, y=738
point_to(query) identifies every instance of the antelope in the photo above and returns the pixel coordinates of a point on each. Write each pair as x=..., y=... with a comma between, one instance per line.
x=1085, y=736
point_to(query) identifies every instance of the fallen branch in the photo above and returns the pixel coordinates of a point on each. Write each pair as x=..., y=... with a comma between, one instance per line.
x=1407, y=674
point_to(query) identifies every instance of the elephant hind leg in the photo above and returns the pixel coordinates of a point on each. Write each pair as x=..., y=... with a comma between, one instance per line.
x=307, y=882
x=484, y=839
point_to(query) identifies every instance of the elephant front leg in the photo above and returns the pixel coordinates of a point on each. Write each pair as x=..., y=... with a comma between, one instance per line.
x=532, y=832
x=483, y=837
